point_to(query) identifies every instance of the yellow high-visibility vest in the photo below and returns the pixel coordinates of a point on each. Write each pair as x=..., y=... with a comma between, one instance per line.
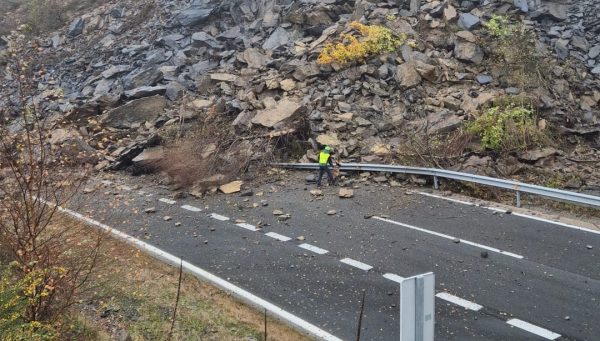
x=323, y=158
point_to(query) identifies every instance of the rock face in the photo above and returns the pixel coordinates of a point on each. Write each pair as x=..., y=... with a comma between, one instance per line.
x=135, y=113
x=283, y=110
x=252, y=66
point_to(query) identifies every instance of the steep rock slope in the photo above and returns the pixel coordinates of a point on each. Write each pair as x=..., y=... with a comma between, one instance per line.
x=119, y=79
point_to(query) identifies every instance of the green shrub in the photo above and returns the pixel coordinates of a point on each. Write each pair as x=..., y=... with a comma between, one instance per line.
x=507, y=128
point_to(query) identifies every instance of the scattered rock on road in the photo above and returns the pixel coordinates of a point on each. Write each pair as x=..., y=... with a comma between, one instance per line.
x=150, y=210
x=346, y=193
x=167, y=218
x=277, y=212
x=331, y=212
x=316, y=192
x=232, y=187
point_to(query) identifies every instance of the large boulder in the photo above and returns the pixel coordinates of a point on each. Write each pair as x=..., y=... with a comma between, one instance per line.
x=196, y=14
x=283, y=110
x=279, y=37
x=407, y=75
x=144, y=77
x=468, y=21
x=468, y=52
x=253, y=57
x=135, y=113
x=76, y=27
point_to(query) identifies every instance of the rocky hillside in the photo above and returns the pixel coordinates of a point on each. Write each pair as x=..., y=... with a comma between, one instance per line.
x=124, y=78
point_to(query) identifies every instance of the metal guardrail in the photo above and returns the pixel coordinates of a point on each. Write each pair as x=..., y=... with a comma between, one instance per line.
x=579, y=198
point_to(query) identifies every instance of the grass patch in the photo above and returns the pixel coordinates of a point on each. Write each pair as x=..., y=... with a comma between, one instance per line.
x=137, y=294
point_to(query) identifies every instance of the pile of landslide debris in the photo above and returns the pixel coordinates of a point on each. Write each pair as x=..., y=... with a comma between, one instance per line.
x=118, y=80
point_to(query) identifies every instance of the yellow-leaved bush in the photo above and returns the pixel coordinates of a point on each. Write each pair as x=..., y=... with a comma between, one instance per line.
x=373, y=40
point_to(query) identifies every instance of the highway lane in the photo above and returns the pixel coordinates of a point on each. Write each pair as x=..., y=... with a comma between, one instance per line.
x=326, y=292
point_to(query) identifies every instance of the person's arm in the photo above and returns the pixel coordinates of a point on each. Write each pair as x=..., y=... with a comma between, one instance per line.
x=330, y=161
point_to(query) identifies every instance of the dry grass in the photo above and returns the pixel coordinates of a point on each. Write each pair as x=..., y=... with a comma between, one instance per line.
x=134, y=294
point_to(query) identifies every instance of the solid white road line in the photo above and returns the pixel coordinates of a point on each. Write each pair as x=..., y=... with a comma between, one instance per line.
x=313, y=248
x=278, y=236
x=247, y=226
x=356, y=264
x=394, y=277
x=191, y=208
x=167, y=201
x=446, y=198
x=459, y=301
x=242, y=294
x=556, y=223
x=522, y=215
x=481, y=246
x=219, y=217
x=532, y=328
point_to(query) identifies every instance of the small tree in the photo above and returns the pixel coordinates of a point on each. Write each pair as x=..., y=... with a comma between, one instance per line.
x=46, y=269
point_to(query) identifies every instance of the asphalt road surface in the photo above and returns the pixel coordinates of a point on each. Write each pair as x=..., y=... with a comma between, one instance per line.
x=499, y=276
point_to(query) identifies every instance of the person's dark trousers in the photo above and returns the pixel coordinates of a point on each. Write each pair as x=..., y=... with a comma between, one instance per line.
x=325, y=169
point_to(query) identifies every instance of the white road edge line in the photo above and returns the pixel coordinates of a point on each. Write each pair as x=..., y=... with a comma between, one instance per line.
x=191, y=208
x=278, y=236
x=219, y=217
x=481, y=246
x=242, y=294
x=394, y=277
x=556, y=223
x=459, y=301
x=522, y=215
x=356, y=264
x=167, y=201
x=532, y=328
x=247, y=226
x=313, y=248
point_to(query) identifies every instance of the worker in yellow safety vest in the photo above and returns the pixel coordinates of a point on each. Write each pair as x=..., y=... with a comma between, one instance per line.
x=325, y=160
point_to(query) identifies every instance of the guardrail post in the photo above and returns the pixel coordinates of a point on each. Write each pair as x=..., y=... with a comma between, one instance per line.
x=436, y=184
x=518, y=199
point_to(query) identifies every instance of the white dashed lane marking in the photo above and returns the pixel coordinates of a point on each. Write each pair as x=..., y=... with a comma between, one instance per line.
x=356, y=264
x=167, y=201
x=278, y=236
x=459, y=301
x=532, y=328
x=393, y=277
x=313, y=248
x=219, y=217
x=481, y=246
x=247, y=226
x=191, y=208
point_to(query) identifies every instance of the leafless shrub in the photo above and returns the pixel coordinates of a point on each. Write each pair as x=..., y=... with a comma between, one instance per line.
x=32, y=233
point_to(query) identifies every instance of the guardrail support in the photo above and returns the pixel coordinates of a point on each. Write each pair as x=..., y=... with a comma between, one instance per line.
x=436, y=184
x=518, y=199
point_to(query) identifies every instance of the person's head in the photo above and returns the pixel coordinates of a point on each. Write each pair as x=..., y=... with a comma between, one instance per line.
x=327, y=150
